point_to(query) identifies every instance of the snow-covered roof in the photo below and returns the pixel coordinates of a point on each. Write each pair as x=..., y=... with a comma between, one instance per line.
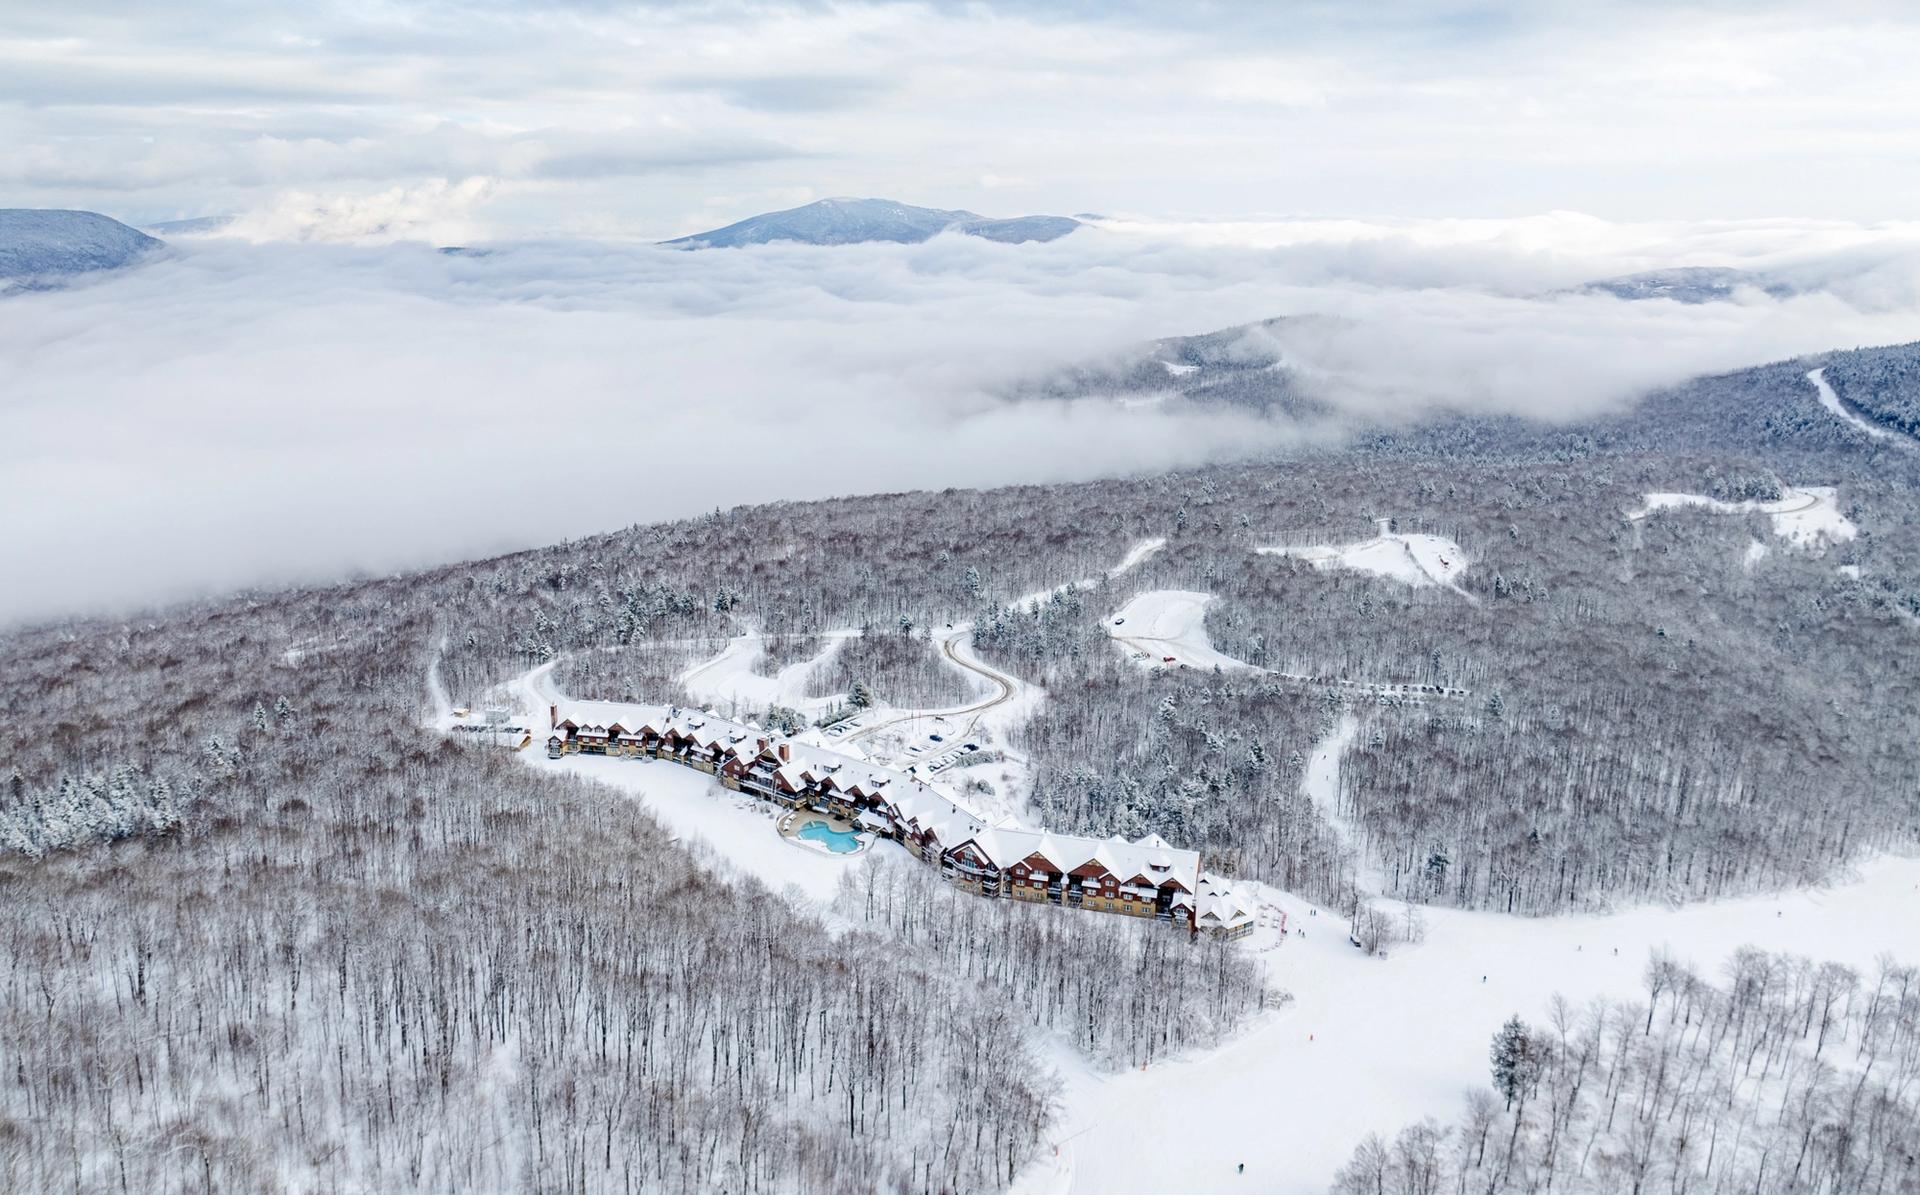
x=1221, y=906
x=1144, y=865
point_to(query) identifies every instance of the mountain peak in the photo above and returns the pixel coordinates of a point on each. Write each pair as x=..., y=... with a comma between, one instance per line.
x=851, y=220
x=44, y=242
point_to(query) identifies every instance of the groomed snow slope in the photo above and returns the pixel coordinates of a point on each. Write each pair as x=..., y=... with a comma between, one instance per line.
x=1806, y=517
x=1831, y=402
x=1372, y=1045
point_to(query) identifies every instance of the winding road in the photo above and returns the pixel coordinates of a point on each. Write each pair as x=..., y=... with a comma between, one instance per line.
x=1006, y=687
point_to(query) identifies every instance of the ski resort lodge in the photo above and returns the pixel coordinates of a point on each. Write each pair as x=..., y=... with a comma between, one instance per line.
x=1145, y=878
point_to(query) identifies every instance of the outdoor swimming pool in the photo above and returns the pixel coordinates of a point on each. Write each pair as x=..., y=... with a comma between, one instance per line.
x=840, y=842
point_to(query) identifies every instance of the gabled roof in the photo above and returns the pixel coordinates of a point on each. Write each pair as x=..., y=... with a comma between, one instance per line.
x=1146, y=863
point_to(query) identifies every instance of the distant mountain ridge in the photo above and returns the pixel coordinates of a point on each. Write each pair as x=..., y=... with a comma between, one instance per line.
x=1771, y=413
x=1691, y=284
x=46, y=243
x=192, y=226
x=862, y=221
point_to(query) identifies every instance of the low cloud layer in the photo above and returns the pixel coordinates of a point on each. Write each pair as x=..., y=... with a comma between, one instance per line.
x=242, y=413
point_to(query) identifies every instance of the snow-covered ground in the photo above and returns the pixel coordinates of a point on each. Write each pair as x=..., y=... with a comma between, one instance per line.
x=1806, y=517
x=1415, y=560
x=1370, y=1045
x=1167, y=628
x=731, y=678
x=1005, y=702
x=1322, y=786
x=693, y=807
x=1136, y=555
x=1831, y=402
x=1170, y=622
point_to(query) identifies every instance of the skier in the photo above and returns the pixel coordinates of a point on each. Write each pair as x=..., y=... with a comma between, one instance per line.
x=1243, y=1168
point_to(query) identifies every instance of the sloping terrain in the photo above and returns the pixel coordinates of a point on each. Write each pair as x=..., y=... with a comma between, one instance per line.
x=239, y=809
x=857, y=221
x=1244, y=367
x=1691, y=284
x=48, y=243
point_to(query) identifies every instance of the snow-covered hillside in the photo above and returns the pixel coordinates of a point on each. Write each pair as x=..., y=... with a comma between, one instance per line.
x=1692, y=284
x=1807, y=517
x=1831, y=401
x=45, y=243
x=1371, y=1044
x=856, y=221
x=1416, y=560
x=733, y=677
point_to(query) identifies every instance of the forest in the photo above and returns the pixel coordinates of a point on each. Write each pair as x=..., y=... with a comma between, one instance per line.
x=1786, y=1076
x=269, y=925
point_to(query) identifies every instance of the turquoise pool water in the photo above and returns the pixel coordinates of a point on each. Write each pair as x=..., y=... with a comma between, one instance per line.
x=840, y=842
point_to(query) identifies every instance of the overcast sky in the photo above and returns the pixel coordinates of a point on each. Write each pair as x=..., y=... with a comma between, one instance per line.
x=316, y=391
x=487, y=118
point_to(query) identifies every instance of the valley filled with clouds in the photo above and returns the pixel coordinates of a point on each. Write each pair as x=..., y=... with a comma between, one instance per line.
x=235, y=412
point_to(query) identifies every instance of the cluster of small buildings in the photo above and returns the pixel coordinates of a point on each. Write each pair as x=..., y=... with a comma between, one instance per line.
x=1144, y=878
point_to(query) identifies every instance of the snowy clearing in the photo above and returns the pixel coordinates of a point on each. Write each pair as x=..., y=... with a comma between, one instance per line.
x=1806, y=517
x=1371, y=1045
x=1831, y=402
x=1167, y=628
x=1163, y=623
x=730, y=677
x=1415, y=560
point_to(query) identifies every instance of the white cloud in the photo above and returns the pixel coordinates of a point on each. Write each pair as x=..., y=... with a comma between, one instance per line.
x=279, y=411
x=436, y=211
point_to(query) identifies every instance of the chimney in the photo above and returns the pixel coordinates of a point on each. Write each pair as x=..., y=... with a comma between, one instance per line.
x=763, y=744
x=553, y=717
x=786, y=752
